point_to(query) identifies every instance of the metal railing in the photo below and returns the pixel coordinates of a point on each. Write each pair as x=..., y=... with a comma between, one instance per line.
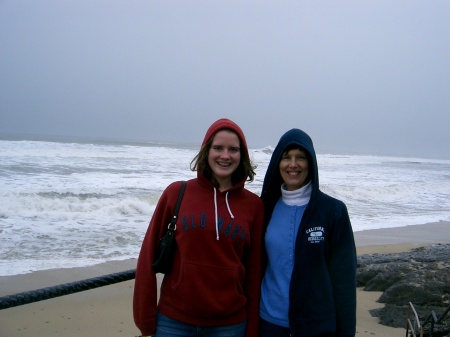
x=414, y=327
x=65, y=289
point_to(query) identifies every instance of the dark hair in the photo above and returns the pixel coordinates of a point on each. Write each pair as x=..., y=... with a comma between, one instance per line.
x=295, y=147
x=245, y=170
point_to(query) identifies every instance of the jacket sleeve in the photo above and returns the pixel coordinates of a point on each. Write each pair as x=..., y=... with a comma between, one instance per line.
x=145, y=286
x=343, y=273
x=253, y=272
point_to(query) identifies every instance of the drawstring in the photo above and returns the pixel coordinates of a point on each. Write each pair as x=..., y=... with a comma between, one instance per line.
x=228, y=206
x=215, y=210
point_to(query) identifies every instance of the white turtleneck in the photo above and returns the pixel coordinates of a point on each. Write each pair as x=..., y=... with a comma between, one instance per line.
x=298, y=197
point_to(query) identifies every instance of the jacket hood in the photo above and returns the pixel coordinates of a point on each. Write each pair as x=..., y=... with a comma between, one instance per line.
x=271, y=189
x=225, y=123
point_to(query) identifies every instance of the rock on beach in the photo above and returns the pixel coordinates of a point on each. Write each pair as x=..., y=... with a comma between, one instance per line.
x=420, y=276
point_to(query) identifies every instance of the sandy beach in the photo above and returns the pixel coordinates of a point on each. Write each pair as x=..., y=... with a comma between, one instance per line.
x=107, y=311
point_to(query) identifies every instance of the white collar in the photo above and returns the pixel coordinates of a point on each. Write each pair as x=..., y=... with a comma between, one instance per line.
x=297, y=197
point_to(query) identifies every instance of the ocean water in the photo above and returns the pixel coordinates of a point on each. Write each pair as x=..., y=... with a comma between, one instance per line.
x=76, y=204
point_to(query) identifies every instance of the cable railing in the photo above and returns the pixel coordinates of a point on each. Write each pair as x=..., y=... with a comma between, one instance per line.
x=415, y=329
x=65, y=289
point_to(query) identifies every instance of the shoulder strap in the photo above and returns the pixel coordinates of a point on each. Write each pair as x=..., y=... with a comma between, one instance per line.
x=177, y=207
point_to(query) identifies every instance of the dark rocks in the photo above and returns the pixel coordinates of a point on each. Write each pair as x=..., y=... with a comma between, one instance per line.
x=421, y=276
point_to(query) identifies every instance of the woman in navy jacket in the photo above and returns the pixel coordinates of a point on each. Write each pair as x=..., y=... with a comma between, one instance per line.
x=309, y=284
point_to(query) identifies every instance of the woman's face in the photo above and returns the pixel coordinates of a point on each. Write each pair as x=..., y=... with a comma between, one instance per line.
x=224, y=157
x=294, y=169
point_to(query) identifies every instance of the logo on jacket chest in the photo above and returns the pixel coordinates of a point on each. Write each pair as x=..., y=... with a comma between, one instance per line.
x=315, y=234
x=230, y=229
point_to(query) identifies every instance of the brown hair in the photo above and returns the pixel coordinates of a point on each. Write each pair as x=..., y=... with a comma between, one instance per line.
x=245, y=170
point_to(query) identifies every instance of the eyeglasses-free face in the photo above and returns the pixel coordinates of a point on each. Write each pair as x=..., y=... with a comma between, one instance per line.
x=294, y=169
x=224, y=157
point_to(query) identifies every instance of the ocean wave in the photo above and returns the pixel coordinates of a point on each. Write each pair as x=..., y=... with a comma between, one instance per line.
x=76, y=204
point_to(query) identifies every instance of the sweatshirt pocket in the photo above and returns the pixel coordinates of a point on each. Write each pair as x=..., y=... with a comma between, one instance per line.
x=209, y=291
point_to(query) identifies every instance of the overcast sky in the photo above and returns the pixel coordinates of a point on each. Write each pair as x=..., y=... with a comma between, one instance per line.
x=364, y=77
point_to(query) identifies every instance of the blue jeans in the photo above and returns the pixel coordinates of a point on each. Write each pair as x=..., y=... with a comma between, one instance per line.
x=167, y=327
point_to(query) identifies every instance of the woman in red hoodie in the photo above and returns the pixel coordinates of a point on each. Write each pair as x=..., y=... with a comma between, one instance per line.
x=214, y=285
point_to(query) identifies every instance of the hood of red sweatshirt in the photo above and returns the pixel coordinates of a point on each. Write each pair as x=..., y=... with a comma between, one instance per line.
x=225, y=123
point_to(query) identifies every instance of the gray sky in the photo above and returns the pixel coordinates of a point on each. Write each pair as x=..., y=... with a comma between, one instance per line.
x=365, y=77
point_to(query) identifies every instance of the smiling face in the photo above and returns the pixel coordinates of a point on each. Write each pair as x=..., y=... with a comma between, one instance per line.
x=224, y=157
x=294, y=169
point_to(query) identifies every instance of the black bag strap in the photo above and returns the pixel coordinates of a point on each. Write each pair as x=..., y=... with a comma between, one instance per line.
x=177, y=207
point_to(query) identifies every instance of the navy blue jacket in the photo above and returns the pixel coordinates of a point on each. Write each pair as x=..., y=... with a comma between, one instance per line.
x=323, y=284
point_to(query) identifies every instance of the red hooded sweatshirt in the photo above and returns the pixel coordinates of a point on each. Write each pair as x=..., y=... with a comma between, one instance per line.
x=216, y=273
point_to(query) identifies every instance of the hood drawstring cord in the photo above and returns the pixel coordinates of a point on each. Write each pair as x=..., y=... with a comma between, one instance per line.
x=215, y=210
x=228, y=206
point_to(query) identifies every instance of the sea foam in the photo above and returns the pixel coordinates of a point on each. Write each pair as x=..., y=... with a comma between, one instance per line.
x=77, y=204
